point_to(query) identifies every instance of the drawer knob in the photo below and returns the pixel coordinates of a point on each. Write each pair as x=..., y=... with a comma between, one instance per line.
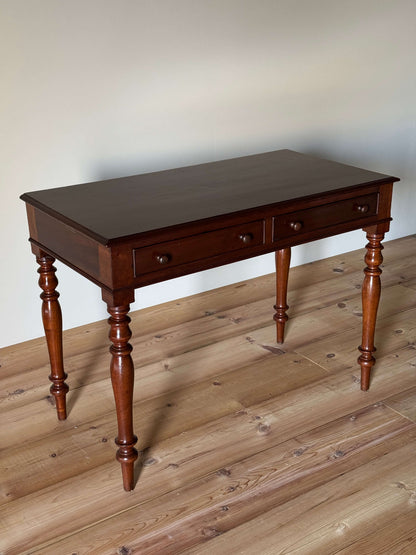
x=163, y=258
x=296, y=226
x=245, y=237
x=363, y=208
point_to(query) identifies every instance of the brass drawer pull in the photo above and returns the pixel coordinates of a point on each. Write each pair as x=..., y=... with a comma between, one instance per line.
x=296, y=226
x=163, y=258
x=363, y=208
x=246, y=237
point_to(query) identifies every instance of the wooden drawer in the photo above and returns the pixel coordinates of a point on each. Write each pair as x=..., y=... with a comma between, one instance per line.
x=197, y=247
x=326, y=215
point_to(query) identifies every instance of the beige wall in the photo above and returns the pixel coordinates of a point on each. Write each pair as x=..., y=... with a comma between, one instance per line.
x=92, y=89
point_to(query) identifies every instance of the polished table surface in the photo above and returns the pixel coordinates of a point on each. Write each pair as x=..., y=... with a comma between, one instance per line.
x=129, y=232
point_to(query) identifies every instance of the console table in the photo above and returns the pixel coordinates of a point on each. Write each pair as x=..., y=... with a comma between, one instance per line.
x=129, y=232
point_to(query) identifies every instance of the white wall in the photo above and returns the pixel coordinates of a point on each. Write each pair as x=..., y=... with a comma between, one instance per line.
x=92, y=89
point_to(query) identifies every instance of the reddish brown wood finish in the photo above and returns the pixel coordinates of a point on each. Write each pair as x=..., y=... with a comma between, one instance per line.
x=116, y=209
x=282, y=259
x=129, y=232
x=370, y=295
x=52, y=322
x=122, y=379
x=196, y=247
x=319, y=217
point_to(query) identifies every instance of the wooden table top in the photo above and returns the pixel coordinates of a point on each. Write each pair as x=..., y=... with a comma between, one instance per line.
x=115, y=208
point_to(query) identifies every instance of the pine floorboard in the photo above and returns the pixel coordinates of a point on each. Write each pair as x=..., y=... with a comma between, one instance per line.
x=246, y=446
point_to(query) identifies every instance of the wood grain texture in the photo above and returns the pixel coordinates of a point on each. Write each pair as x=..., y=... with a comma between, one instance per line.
x=250, y=206
x=122, y=380
x=193, y=219
x=282, y=261
x=248, y=447
x=338, y=514
x=109, y=209
x=405, y=402
x=371, y=292
x=396, y=538
x=52, y=323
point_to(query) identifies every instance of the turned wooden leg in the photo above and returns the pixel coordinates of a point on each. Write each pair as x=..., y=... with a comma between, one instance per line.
x=122, y=378
x=52, y=322
x=282, y=258
x=370, y=298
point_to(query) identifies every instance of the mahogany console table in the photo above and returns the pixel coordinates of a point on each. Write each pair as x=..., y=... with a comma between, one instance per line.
x=129, y=232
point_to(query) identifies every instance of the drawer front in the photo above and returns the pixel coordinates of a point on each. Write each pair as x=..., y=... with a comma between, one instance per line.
x=197, y=247
x=310, y=219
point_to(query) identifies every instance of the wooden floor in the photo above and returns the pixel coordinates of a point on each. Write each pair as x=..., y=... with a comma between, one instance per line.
x=249, y=447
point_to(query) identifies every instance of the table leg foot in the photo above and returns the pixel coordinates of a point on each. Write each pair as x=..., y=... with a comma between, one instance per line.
x=52, y=322
x=122, y=379
x=370, y=299
x=282, y=259
x=127, y=471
